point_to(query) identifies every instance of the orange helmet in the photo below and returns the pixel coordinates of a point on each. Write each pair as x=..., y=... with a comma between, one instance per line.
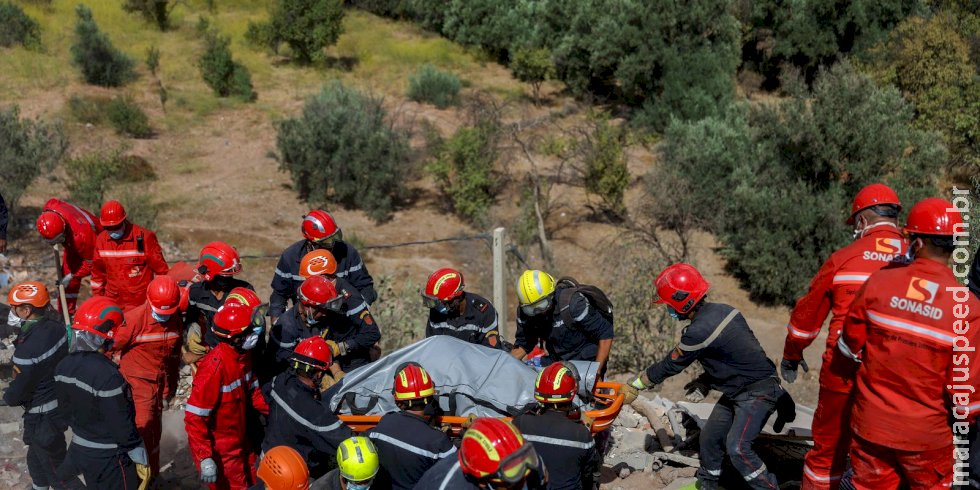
x=319, y=292
x=163, y=294
x=32, y=293
x=313, y=352
x=555, y=384
x=319, y=262
x=282, y=468
x=232, y=320
x=681, y=287
x=98, y=315
x=493, y=450
x=412, y=382
x=873, y=195
x=50, y=225
x=218, y=259
x=112, y=214
x=242, y=296
x=934, y=216
x=319, y=226
x=443, y=285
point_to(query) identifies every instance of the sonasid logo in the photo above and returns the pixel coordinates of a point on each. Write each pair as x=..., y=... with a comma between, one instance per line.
x=922, y=290
x=885, y=249
x=918, y=299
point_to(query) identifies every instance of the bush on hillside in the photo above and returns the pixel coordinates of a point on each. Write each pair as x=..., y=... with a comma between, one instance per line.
x=306, y=26
x=464, y=170
x=774, y=182
x=433, y=86
x=343, y=149
x=93, y=176
x=601, y=158
x=101, y=63
x=17, y=28
x=128, y=118
x=28, y=148
x=88, y=109
x=533, y=66
x=156, y=11
x=225, y=76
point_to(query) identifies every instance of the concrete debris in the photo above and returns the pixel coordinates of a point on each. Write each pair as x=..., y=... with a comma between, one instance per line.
x=10, y=428
x=798, y=430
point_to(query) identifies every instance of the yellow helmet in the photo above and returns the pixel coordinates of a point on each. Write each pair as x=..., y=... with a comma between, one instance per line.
x=358, y=459
x=535, y=287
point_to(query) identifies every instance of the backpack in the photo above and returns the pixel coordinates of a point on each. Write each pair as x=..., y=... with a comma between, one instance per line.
x=596, y=297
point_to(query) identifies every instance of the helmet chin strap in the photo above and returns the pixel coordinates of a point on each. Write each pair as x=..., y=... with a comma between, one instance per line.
x=860, y=232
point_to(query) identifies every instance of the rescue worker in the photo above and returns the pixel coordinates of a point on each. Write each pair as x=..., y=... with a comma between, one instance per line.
x=106, y=449
x=127, y=258
x=320, y=231
x=148, y=345
x=217, y=265
x=492, y=454
x=357, y=465
x=565, y=445
x=539, y=319
x=458, y=313
x=321, y=262
x=318, y=313
x=878, y=241
x=195, y=346
x=734, y=363
x=75, y=229
x=908, y=328
x=282, y=468
x=224, y=389
x=40, y=345
x=298, y=417
x=407, y=444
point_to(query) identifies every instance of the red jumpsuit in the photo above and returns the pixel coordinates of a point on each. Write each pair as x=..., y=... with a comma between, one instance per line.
x=224, y=389
x=913, y=326
x=832, y=291
x=150, y=361
x=81, y=230
x=122, y=269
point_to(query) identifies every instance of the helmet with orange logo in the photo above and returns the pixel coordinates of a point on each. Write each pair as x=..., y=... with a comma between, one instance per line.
x=319, y=262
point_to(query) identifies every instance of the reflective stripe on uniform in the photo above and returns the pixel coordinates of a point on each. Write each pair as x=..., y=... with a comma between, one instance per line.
x=712, y=472
x=851, y=278
x=121, y=253
x=156, y=337
x=410, y=448
x=203, y=306
x=288, y=275
x=86, y=387
x=203, y=412
x=81, y=441
x=47, y=407
x=800, y=333
x=297, y=417
x=353, y=268
x=755, y=474
x=711, y=338
x=449, y=475
x=35, y=360
x=463, y=328
x=813, y=476
x=228, y=388
x=585, y=312
x=918, y=329
x=355, y=311
x=560, y=442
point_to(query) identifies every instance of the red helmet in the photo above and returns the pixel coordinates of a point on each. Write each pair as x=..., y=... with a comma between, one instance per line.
x=218, y=259
x=934, y=216
x=443, y=285
x=32, y=293
x=319, y=226
x=555, y=384
x=319, y=292
x=232, y=320
x=873, y=195
x=494, y=450
x=242, y=296
x=313, y=352
x=112, y=214
x=50, y=225
x=98, y=315
x=681, y=287
x=163, y=294
x=319, y=262
x=412, y=382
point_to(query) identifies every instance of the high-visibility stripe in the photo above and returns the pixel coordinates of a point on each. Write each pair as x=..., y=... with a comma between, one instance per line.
x=287, y=275
x=800, y=333
x=156, y=337
x=813, y=476
x=297, y=417
x=712, y=472
x=917, y=329
x=355, y=311
x=121, y=253
x=203, y=306
x=203, y=412
x=35, y=486
x=449, y=476
x=84, y=215
x=973, y=408
x=410, y=448
x=35, y=360
x=463, y=328
x=47, y=407
x=711, y=338
x=755, y=474
x=81, y=441
x=86, y=387
x=353, y=268
x=95, y=284
x=228, y=388
x=560, y=442
x=851, y=278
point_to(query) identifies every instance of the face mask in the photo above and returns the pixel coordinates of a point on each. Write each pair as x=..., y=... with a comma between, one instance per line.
x=310, y=319
x=117, y=234
x=673, y=313
x=13, y=320
x=159, y=317
x=251, y=341
x=358, y=486
x=441, y=308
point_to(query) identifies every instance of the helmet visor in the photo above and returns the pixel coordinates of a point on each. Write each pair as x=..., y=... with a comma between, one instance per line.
x=537, y=307
x=329, y=240
x=516, y=467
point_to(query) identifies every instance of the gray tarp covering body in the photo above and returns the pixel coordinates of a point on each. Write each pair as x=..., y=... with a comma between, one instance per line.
x=469, y=378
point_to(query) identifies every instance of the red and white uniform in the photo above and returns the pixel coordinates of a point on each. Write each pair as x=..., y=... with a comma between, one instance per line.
x=122, y=269
x=832, y=291
x=909, y=325
x=224, y=389
x=149, y=360
x=81, y=229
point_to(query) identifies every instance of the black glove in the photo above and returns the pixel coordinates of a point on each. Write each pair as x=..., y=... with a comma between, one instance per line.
x=785, y=411
x=787, y=369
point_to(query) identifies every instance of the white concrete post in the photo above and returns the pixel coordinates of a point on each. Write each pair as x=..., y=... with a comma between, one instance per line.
x=499, y=289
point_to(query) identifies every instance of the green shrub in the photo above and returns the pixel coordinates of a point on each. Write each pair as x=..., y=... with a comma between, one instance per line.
x=343, y=149
x=127, y=117
x=16, y=27
x=225, y=76
x=604, y=170
x=91, y=177
x=306, y=26
x=101, y=63
x=88, y=109
x=153, y=59
x=464, y=170
x=774, y=182
x=433, y=86
x=156, y=11
x=533, y=66
x=28, y=148
x=139, y=204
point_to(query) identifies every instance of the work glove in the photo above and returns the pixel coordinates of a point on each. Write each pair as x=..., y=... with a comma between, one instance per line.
x=469, y=420
x=67, y=279
x=696, y=391
x=334, y=348
x=787, y=368
x=586, y=420
x=209, y=471
x=785, y=411
x=632, y=388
